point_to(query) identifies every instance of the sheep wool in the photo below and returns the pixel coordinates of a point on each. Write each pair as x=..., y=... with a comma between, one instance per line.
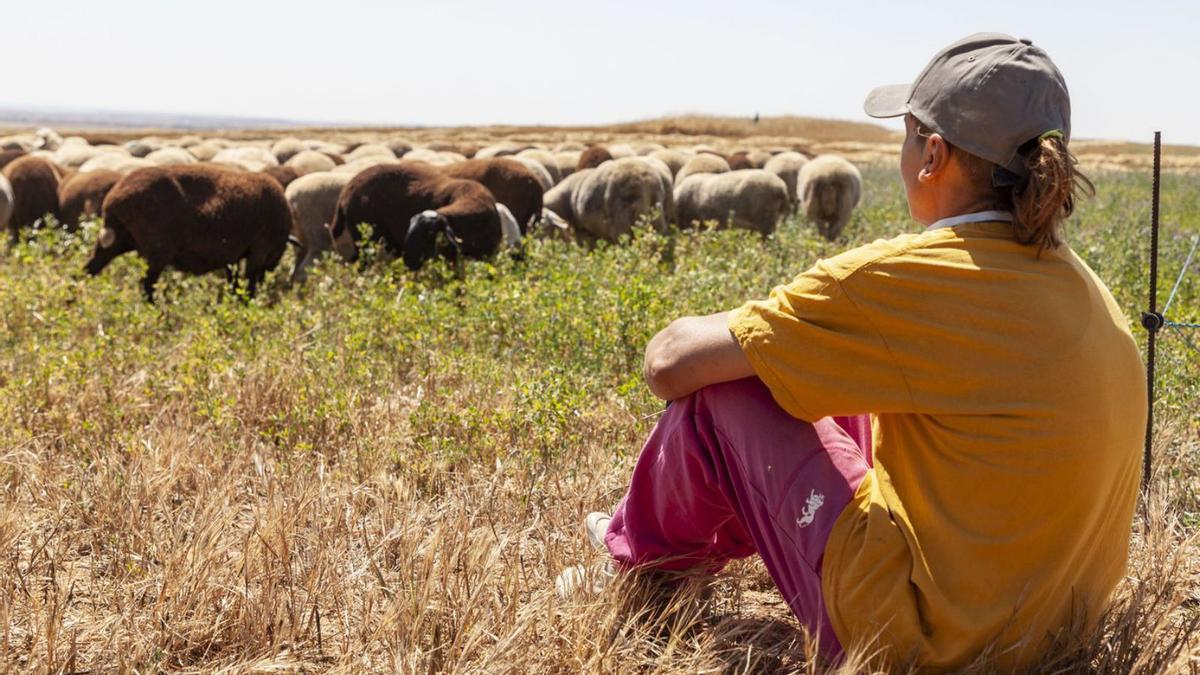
x=787, y=166
x=313, y=199
x=197, y=218
x=751, y=199
x=830, y=187
x=703, y=162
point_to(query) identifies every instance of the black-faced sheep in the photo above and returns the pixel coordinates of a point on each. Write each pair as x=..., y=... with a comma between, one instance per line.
x=829, y=188
x=593, y=157
x=34, y=184
x=509, y=181
x=196, y=218
x=608, y=201
x=410, y=206
x=787, y=166
x=82, y=195
x=310, y=161
x=751, y=199
x=703, y=162
x=313, y=198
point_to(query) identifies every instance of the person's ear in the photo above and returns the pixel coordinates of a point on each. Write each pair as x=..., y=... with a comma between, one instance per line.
x=934, y=158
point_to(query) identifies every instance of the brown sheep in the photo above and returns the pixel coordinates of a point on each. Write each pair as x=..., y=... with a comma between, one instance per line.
x=8, y=156
x=283, y=175
x=408, y=206
x=739, y=160
x=82, y=195
x=196, y=218
x=510, y=181
x=593, y=157
x=35, y=192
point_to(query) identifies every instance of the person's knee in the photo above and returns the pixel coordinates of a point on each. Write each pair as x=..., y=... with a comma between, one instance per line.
x=747, y=394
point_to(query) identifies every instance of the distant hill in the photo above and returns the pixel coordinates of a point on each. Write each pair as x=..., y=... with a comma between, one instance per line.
x=107, y=119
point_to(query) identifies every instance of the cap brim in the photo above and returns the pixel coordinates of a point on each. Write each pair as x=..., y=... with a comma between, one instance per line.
x=890, y=100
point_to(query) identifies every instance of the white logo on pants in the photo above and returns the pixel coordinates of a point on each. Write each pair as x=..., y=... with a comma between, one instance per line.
x=815, y=501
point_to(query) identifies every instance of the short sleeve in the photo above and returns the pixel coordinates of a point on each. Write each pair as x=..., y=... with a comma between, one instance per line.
x=817, y=352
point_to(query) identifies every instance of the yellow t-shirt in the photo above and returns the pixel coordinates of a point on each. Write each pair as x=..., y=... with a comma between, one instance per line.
x=1009, y=407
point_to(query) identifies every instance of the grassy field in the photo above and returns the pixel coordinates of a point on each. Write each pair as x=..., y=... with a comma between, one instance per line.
x=382, y=471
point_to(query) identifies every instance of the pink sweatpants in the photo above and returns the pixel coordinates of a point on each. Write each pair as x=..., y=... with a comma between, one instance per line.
x=728, y=473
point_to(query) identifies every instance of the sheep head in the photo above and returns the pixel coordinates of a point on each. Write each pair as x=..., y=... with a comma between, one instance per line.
x=421, y=242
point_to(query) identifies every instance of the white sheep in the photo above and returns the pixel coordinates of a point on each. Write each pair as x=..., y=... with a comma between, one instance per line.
x=310, y=161
x=509, y=228
x=787, y=166
x=539, y=171
x=287, y=148
x=566, y=161
x=6, y=202
x=313, y=199
x=830, y=187
x=170, y=156
x=248, y=157
x=674, y=159
x=48, y=139
x=619, y=150
x=608, y=201
x=370, y=150
x=355, y=167
x=499, y=150
x=751, y=199
x=204, y=151
x=113, y=161
x=546, y=159
x=702, y=162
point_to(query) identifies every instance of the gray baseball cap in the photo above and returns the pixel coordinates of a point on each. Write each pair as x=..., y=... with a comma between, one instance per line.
x=988, y=93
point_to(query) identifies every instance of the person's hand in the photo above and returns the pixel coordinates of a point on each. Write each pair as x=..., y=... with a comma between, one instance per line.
x=692, y=353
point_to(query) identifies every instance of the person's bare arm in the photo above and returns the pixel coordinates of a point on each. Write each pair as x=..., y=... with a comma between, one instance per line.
x=692, y=353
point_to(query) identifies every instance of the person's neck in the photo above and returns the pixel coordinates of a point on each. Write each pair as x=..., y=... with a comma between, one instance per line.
x=953, y=203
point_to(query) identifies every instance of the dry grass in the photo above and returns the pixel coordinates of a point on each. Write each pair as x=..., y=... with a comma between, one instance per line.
x=189, y=551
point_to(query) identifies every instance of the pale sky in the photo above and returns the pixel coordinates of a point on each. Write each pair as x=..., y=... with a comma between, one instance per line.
x=1131, y=67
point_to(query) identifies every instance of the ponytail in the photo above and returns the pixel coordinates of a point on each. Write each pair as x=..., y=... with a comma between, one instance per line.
x=1043, y=200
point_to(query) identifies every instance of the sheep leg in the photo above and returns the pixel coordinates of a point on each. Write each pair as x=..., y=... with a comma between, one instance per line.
x=304, y=257
x=148, y=281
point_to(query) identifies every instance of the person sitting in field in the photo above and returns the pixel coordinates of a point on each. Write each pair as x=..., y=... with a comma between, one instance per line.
x=933, y=441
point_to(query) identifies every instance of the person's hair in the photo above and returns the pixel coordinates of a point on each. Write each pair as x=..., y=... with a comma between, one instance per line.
x=1043, y=200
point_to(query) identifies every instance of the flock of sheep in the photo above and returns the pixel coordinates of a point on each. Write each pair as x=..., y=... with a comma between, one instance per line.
x=200, y=205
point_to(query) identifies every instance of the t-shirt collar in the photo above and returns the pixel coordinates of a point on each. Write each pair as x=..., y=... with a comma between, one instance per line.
x=977, y=217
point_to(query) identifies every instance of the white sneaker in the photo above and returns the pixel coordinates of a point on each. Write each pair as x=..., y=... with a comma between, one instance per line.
x=579, y=579
x=596, y=525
